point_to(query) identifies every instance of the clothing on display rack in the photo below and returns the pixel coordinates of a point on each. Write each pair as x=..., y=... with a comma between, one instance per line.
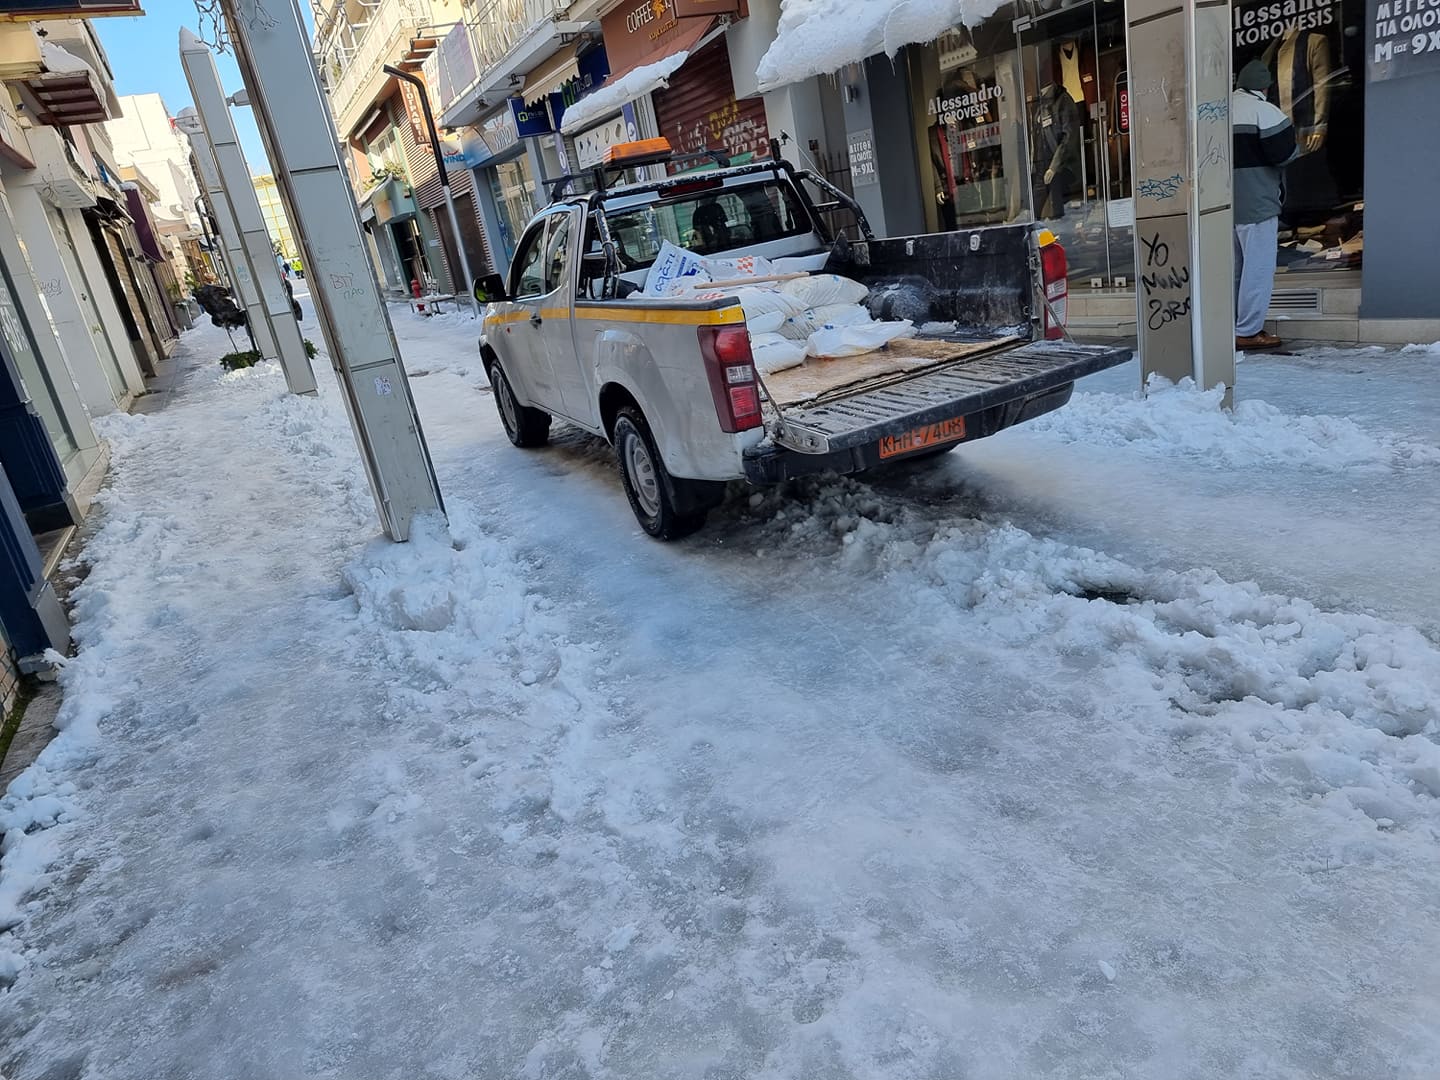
x=1076, y=61
x=1300, y=62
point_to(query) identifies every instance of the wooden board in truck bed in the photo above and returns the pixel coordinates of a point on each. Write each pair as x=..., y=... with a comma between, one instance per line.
x=819, y=376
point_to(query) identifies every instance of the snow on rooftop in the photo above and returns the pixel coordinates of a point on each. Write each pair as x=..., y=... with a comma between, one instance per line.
x=816, y=37
x=629, y=86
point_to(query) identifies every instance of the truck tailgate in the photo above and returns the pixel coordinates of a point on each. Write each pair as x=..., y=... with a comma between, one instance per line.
x=939, y=396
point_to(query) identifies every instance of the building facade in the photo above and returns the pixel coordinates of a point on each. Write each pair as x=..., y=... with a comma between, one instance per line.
x=84, y=310
x=144, y=138
x=381, y=121
x=273, y=211
x=1022, y=117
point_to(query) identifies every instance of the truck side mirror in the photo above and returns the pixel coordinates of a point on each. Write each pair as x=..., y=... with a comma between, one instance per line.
x=489, y=289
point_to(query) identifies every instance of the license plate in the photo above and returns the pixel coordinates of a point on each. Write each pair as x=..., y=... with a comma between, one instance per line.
x=923, y=437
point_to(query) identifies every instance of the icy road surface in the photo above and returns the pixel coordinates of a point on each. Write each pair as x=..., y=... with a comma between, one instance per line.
x=1104, y=748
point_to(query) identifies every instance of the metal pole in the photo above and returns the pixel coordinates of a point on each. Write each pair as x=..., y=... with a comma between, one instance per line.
x=217, y=258
x=241, y=276
x=239, y=191
x=300, y=140
x=468, y=284
x=1180, y=157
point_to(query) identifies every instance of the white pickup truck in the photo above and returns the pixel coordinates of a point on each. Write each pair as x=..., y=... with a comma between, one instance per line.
x=671, y=382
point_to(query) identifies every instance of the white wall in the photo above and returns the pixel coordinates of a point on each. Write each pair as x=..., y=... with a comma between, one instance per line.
x=144, y=138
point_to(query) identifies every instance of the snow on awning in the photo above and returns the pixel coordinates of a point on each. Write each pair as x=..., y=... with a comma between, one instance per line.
x=640, y=80
x=67, y=92
x=817, y=37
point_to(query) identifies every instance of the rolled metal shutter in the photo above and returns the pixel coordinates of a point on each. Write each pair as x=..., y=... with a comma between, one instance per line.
x=698, y=111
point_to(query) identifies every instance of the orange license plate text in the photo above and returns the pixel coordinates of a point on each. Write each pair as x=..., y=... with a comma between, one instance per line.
x=923, y=437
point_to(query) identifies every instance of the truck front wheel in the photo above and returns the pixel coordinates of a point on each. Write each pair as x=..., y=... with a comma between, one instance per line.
x=525, y=426
x=650, y=489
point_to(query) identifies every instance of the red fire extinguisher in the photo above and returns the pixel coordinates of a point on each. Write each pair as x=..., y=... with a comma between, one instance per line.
x=415, y=292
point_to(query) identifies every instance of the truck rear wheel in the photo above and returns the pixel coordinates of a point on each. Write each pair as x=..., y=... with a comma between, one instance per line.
x=650, y=489
x=525, y=426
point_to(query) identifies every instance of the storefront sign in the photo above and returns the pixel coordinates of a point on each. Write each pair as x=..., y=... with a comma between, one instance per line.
x=530, y=120
x=638, y=30
x=957, y=108
x=590, y=146
x=414, y=112
x=1405, y=38
x=1124, y=110
x=1256, y=24
x=450, y=69
x=499, y=132
x=452, y=151
x=956, y=50
x=862, y=158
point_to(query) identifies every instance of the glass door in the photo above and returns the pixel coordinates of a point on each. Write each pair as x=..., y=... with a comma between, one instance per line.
x=1077, y=119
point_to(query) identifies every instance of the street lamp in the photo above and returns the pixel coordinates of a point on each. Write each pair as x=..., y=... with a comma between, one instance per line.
x=419, y=86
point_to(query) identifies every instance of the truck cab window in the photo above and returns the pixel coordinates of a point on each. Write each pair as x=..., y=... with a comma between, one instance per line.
x=557, y=254
x=528, y=270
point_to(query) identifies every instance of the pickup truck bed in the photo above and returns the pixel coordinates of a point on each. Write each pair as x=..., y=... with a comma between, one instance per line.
x=969, y=398
x=819, y=378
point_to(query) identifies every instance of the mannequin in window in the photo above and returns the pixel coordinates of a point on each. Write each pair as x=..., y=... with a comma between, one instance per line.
x=1300, y=62
x=710, y=224
x=1057, y=146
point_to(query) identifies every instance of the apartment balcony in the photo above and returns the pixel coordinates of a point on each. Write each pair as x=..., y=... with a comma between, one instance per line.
x=60, y=176
x=506, y=38
x=383, y=40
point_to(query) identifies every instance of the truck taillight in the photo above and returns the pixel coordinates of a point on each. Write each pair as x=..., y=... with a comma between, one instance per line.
x=731, y=371
x=1054, y=279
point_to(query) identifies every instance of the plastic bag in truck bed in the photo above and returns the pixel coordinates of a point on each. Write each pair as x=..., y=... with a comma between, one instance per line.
x=819, y=290
x=766, y=308
x=800, y=326
x=673, y=267
x=774, y=353
x=856, y=339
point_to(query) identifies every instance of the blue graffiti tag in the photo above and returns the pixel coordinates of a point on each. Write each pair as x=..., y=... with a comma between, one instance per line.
x=1213, y=110
x=1167, y=188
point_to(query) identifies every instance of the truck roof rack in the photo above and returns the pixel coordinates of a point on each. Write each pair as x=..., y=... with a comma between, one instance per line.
x=603, y=182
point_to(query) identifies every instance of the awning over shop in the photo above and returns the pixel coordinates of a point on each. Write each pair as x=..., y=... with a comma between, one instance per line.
x=140, y=213
x=553, y=74
x=633, y=81
x=817, y=37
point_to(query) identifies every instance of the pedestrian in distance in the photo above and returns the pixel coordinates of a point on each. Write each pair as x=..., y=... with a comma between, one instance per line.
x=1264, y=145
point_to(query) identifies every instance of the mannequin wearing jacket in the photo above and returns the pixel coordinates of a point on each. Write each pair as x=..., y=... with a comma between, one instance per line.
x=1057, y=146
x=1300, y=64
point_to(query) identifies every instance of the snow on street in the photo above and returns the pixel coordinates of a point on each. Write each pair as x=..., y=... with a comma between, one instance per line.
x=1106, y=747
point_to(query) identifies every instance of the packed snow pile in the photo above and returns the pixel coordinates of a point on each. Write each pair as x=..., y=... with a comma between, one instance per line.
x=1421, y=349
x=1181, y=419
x=629, y=86
x=817, y=37
x=1340, y=708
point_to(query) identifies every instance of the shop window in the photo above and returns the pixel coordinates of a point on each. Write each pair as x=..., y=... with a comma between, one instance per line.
x=1315, y=54
x=963, y=91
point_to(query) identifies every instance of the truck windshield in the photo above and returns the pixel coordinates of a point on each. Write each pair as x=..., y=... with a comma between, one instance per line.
x=708, y=222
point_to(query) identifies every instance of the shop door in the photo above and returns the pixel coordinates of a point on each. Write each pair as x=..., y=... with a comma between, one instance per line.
x=1078, y=124
x=125, y=300
x=699, y=111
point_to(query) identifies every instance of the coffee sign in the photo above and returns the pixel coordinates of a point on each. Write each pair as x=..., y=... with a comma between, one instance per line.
x=639, y=30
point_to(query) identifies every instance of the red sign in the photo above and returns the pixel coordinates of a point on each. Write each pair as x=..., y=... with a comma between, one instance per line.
x=1124, y=110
